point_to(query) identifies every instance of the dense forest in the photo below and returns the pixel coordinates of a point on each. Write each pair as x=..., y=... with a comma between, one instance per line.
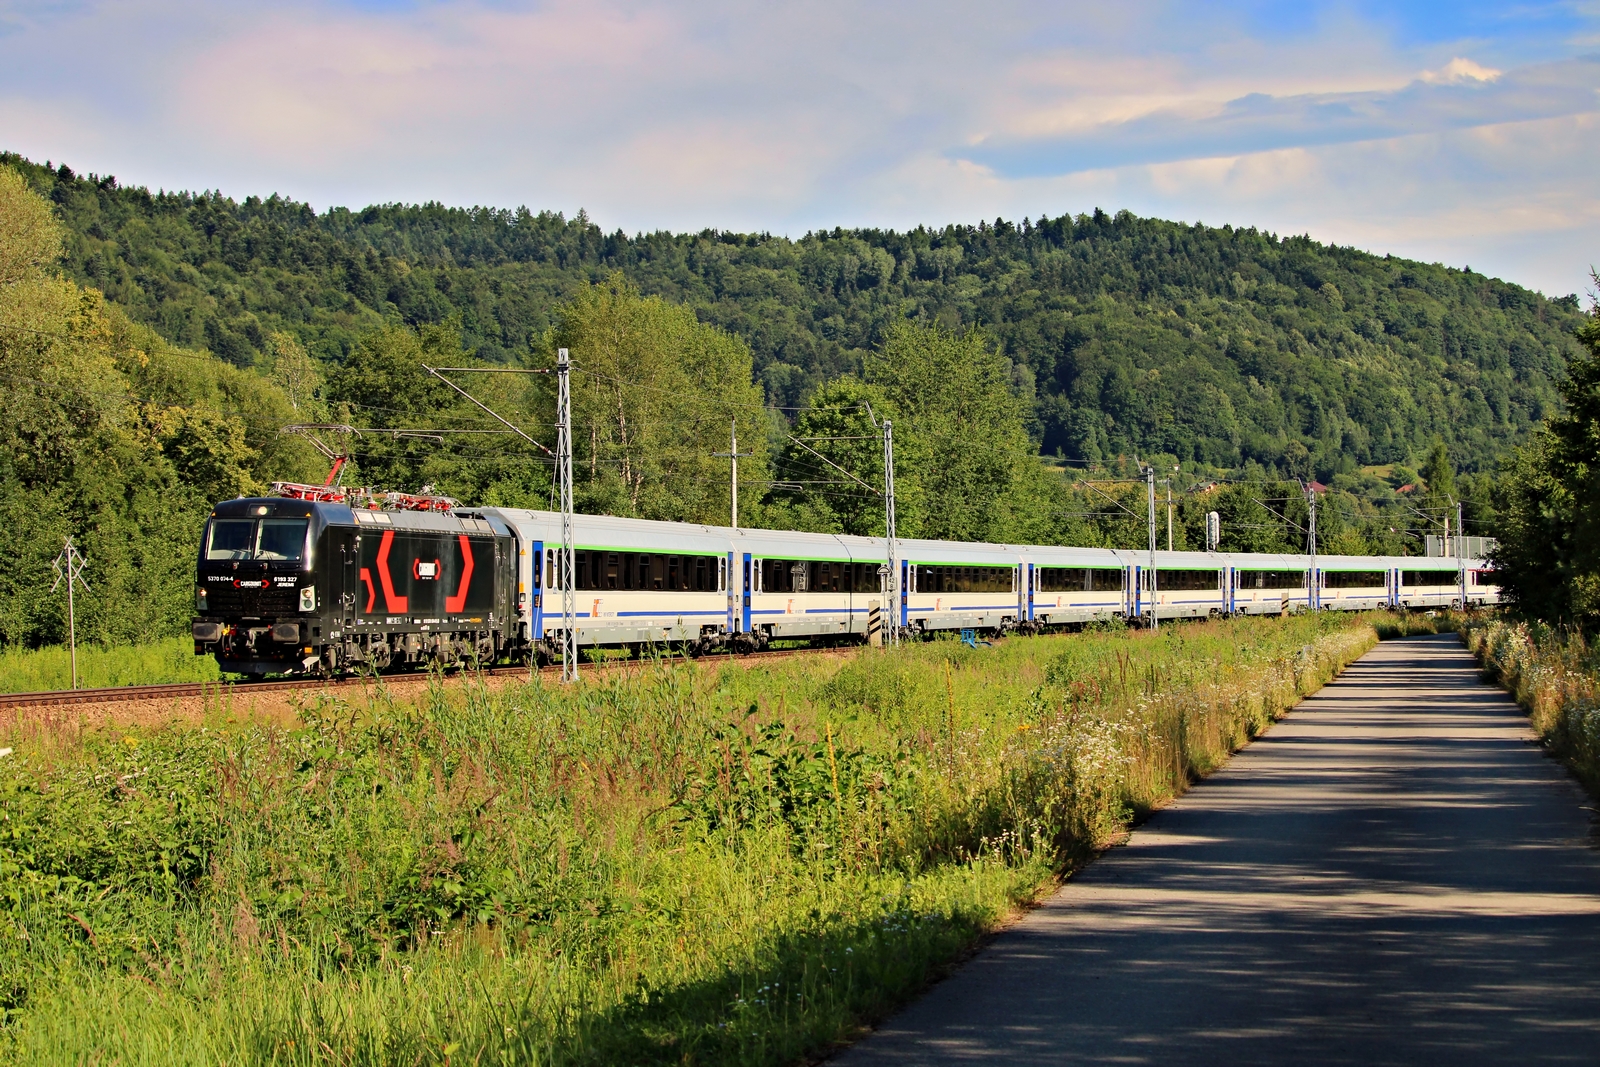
x=154, y=347
x=1219, y=346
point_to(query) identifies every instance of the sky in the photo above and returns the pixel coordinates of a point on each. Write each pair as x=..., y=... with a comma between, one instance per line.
x=1466, y=133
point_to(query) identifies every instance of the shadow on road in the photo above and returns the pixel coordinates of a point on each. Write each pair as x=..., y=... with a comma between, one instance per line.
x=1393, y=874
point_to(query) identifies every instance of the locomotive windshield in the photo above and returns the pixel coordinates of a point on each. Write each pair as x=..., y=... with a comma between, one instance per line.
x=267, y=539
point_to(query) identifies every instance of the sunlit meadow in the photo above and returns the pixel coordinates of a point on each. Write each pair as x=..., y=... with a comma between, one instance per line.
x=684, y=863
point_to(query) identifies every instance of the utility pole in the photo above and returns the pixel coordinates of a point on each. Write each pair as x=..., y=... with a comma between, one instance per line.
x=734, y=455
x=1169, y=512
x=1150, y=494
x=69, y=567
x=568, y=552
x=893, y=584
x=1315, y=598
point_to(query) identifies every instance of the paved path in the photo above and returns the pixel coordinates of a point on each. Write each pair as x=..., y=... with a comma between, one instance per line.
x=1394, y=874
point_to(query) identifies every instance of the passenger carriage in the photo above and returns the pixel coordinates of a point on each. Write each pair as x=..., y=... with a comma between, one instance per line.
x=808, y=585
x=1268, y=583
x=948, y=585
x=637, y=583
x=1075, y=585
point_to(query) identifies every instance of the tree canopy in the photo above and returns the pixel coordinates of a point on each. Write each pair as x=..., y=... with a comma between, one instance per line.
x=111, y=435
x=156, y=347
x=1216, y=345
x=1548, y=558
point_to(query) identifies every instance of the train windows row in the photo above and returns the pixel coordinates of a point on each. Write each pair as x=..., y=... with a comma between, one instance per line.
x=1170, y=580
x=1074, y=579
x=1354, y=580
x=599, y=570
x=939, y=578
x=602, y=571
x=817, y=576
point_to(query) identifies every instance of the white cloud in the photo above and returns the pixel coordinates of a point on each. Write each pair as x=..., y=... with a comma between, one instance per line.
x=1459, y=70
x=667, y=114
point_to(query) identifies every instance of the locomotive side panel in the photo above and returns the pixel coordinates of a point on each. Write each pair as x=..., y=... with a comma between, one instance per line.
x=423, y=577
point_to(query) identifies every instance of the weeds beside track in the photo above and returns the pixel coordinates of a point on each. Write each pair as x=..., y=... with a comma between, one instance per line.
x=1555, y=676
x=701, y=862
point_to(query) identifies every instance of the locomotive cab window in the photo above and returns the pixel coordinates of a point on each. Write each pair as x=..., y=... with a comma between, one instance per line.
x=282, y=539
x=269, y=539
x=231, y=539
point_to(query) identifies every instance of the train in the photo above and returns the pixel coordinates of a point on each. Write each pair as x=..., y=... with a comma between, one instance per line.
x=318, y=581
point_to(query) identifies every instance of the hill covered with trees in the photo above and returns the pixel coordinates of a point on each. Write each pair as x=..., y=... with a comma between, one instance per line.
x=1228, y=348
x=155, y=346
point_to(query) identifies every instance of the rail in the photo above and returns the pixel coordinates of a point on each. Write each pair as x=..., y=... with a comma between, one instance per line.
x=183, y=690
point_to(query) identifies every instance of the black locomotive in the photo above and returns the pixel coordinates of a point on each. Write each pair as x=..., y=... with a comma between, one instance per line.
x=295, y=585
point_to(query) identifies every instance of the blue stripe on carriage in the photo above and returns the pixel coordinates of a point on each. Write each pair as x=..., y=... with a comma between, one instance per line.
x=964, y=608
x=668, y=614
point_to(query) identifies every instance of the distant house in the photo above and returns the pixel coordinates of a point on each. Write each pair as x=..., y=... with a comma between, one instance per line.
x=1317, y=487
x=1407, y=488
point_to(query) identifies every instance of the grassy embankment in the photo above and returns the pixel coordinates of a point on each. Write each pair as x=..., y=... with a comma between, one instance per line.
x=1555, y=676
x=40, y=669
x=682, y=863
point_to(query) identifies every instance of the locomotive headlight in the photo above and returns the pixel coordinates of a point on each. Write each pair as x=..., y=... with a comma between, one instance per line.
x=308, y=598
x=200, y=598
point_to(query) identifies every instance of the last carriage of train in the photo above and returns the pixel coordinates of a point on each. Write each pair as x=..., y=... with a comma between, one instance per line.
x=324, y=580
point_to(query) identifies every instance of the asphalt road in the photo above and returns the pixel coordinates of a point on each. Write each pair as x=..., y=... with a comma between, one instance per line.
x=1393, y=874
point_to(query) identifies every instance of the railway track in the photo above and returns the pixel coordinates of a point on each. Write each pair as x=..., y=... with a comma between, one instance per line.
x=182, y=690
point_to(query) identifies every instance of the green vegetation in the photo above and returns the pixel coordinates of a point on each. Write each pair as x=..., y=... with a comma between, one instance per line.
x=1217, y=346
x=676, y=864
x=37, y=670
x=1555, y=675
x=1549, y=503
x=112, y=435
x=154, y=347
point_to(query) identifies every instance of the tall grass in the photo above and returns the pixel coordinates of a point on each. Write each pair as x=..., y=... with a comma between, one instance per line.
x=1555, y=675
x=24, y=670
x=682, y=863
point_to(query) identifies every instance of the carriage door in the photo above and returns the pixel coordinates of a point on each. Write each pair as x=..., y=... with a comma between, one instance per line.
x=1027, y=584
x=350, y=588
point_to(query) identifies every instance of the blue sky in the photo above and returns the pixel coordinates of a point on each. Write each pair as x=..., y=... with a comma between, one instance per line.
x=1467, y=133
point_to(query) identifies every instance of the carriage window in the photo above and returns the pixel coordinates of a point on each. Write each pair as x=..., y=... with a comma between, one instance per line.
x=939, y=578
x=1428, y=577
x=1483, y=578
x=1074, y=579
x=1271, y=579
x=598, y=571
x=817, y=576
x=1353, y=580
x=1177, y=580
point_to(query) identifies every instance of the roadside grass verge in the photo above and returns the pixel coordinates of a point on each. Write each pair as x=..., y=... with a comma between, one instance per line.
x=679, y=863
x=1555, y=675
x=35, y=670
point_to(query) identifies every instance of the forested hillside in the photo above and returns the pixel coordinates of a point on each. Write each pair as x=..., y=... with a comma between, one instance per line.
x=1223, y=347
x=154, y=347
